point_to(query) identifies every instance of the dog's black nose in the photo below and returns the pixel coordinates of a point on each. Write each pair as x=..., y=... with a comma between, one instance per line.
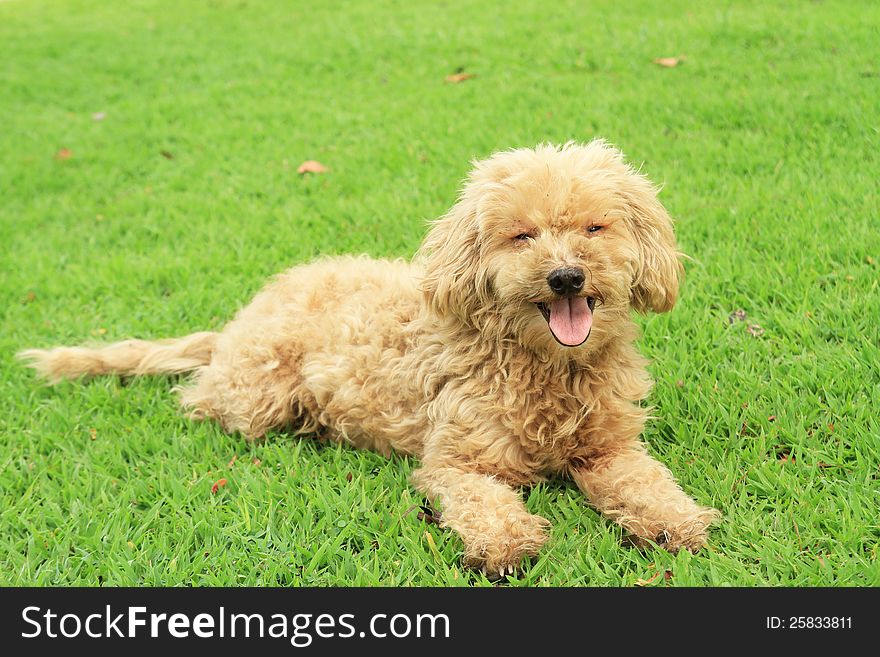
x=566, y=280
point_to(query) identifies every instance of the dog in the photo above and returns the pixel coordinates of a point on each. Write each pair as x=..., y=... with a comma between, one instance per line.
x=501, y=355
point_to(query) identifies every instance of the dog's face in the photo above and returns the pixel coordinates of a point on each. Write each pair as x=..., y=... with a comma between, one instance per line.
x=552, y=246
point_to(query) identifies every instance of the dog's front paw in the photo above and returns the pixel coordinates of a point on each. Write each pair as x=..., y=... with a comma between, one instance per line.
x=690, y=533
x=501, y=544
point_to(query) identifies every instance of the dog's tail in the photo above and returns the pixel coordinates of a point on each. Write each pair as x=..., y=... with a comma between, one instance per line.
x=133, y=357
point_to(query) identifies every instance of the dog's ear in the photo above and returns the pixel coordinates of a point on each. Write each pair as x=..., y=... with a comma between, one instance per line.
x=655, y=285
x=453, y=282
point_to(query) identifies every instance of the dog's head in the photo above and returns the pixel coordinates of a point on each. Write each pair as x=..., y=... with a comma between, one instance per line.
x=552, y=246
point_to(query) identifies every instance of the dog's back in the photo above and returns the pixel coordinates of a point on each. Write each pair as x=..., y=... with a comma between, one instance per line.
x=320, y=348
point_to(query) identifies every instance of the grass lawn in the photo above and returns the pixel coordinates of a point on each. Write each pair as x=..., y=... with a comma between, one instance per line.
x=148, y=187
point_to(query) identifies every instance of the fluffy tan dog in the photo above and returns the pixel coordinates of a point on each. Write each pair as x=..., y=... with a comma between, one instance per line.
x=502, y=355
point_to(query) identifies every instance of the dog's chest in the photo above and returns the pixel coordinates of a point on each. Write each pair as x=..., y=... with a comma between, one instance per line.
x=548, y=418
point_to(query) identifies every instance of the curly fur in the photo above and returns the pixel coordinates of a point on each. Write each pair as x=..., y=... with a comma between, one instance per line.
x=449, y=359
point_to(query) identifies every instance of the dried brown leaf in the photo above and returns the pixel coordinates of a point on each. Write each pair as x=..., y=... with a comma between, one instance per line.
x=64, y=154
x=738, y=315
x=645, y=582
x=755, y=330
x=455, y=78
x=429, y=517
x=669, y=62
x=312, y=166
x=220, y=483
x=426, y=513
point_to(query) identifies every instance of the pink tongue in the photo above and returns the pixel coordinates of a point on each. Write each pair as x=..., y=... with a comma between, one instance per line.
x=571, y=320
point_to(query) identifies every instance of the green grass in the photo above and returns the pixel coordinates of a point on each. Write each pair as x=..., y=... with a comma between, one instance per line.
x=766, y=138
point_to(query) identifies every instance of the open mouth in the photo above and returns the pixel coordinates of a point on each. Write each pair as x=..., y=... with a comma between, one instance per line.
x=570, y=319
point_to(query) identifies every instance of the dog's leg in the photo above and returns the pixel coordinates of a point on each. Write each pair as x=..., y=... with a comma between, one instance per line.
x=492, y=520
x=253, y=383
x=641, y=495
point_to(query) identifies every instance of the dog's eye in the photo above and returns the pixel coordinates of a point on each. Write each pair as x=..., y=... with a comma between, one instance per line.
x=594, y=229
x=523, y=237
